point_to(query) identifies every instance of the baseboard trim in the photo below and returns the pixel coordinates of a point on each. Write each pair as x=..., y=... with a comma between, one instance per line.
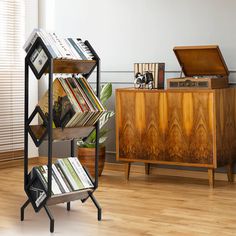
x=165, y=171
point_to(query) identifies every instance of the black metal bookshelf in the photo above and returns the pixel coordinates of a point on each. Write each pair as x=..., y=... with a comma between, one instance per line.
x=48, y=133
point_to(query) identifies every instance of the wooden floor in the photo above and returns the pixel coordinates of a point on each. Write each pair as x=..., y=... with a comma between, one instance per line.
x=146, y=205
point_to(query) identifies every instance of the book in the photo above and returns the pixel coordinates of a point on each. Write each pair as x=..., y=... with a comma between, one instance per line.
x=44, y=175
x=69, y=187
x=38, y=58
x=60, y=48
x=54, y=176
x=73, y=173
x=77, y=48
x=55, y=188
x=86, y=51
x=81, y=172
x=63, y=107
x=75, y=52
x=33, y=37
x=36, y=190
x=67, y=174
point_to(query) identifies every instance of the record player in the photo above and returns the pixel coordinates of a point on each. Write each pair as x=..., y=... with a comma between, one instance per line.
x=203, y=66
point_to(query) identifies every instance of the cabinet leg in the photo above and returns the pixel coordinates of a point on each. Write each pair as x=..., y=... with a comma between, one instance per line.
x=211, y=177
x=127, y=170
x=230, y=172
x=147, y=168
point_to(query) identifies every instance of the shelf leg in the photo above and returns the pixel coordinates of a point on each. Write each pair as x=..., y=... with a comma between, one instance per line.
x=211, y=177
x=50, y=218
x=22, y=210
x=68, y=206
x=97, y=205
x=147, y=168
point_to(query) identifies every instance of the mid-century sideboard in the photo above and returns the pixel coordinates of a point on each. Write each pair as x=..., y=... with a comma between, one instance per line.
x=194, y=128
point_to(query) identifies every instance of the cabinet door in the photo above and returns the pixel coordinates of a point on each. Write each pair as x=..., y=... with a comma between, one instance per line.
x=140, y=125
x=165, y=126
x=189, y=137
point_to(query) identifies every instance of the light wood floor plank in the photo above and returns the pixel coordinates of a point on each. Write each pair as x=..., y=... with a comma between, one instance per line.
x=144, y=205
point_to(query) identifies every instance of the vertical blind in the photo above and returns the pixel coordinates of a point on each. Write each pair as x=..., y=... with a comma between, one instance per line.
x=12, y=31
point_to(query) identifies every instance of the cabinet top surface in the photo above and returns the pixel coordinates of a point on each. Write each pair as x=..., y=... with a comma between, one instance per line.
x=131, y=89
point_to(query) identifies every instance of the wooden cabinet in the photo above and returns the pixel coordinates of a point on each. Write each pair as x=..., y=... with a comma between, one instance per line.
x=177, y=127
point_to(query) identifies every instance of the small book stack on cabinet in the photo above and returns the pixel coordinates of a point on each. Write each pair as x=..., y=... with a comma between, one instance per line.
x=68, y=110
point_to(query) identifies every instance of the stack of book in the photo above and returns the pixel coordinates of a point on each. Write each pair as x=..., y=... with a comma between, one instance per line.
x=74, y=103
x=67, y=175
x=69, y=48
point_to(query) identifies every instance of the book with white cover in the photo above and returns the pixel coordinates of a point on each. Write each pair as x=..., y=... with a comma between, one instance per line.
x=60, y=179
x=33, y=37
x=67, y=174
x=55, y=187
x=81, y=172
x=61, y=46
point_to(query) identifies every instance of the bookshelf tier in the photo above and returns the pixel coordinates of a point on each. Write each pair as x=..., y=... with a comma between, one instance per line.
x=68, y=197
x=62, y=134
x=72, y=66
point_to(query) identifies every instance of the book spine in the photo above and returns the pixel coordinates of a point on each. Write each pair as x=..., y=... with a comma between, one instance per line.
x=69, y=187
x=81, y=114
x=50, y=45
x=98, y=103
x=84, y=88
x=31, y=40
x=61, y=47
x=60, y=179
x=45, y=175
x=84, y=95
x=73, y=43
x=67, y=174
x=53, y=40
x=40, y=175
x=73, y=173
x=80, y=172
x=75, y=53
x=101, y=108
x=57, y=181
x=73, y=92
x=84, y=49
x=76, y=107
x=55, y=187
x=161, y=75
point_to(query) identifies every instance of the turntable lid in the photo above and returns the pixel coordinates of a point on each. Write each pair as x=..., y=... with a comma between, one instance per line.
x=201, y=60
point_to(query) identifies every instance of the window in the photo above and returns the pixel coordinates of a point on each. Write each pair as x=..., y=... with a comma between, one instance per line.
x=12, y=32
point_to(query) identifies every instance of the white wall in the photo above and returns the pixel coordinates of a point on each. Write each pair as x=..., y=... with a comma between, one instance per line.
x=127, y=31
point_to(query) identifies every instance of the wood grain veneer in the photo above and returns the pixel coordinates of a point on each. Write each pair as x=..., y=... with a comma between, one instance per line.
x=177, y=127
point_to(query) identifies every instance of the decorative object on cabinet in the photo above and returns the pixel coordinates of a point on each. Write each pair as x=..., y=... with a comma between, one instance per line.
x=143, y=79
